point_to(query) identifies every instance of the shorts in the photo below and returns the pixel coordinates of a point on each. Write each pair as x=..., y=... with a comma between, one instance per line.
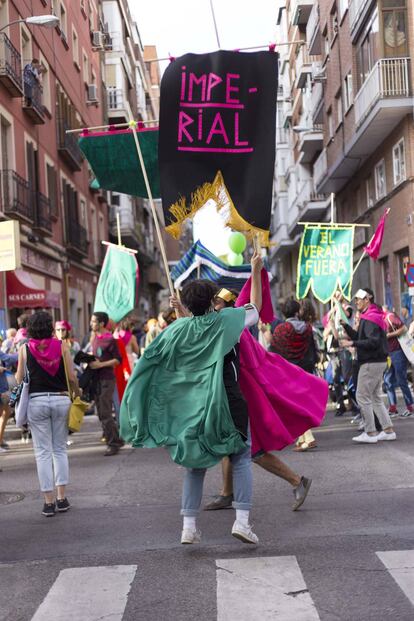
x=5, y=398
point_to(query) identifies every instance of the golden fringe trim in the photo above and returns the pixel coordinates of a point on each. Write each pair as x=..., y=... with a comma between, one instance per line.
x=218, y=192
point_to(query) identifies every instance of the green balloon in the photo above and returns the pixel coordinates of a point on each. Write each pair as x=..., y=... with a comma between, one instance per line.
x=235, y=259
x=237, y=242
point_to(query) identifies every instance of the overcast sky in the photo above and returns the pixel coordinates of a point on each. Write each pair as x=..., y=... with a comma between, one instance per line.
x=180, y=26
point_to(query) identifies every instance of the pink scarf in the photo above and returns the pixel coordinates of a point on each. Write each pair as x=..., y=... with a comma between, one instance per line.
x=375, y=314
x=47, y=353
x=104, y=335
x=123, y=335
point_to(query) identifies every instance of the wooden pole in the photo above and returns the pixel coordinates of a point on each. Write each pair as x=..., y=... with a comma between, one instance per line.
x=118, y=228
x=152, y=205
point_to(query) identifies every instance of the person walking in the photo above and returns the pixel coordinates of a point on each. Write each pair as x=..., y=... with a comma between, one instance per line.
x=371, y=344
x=107, y=358
x=396, y=374
x=177, y=397
x=45, y=359
x=293, y=340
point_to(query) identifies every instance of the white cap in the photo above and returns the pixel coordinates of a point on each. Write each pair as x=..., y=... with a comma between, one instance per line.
x=361, y=294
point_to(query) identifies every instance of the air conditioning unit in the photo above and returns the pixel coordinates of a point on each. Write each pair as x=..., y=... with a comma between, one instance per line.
x=92, y=92
x=98, y=38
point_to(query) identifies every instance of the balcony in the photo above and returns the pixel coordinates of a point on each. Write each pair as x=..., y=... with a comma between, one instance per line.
x=310, y=144
x=379, y=106
x=358, y=10
x=306, y=67
x=313, y=33
x=320, y=168
x=282, y=135
x=119, y=109
x=15, y=196
x=10, y=67
x=301, y=10
x=32, y=103
x=42, y=213
x=317, y=102
x=68, y=146
x=388, y=80
x=76, y=238
x=310, y=206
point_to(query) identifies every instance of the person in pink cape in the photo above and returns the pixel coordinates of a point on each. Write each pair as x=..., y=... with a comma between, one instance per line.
x=283, y=401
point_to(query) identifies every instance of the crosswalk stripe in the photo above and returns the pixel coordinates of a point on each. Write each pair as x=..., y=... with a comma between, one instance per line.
x=88, y=594
x=268, y=588
x=400, y=564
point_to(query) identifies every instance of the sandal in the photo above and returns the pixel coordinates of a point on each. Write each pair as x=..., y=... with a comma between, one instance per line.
x=301, y=447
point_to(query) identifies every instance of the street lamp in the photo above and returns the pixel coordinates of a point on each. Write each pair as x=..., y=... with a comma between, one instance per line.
x=47, y=21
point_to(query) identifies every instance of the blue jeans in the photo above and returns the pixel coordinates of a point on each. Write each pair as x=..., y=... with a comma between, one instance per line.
x=48, y=419
x=242, y=484
x=395, y=376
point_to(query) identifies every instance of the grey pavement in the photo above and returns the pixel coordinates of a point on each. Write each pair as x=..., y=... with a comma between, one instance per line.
x=125, y=511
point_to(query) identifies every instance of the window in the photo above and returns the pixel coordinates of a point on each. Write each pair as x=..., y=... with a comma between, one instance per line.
x=85, y=67
x=368, y=48
x=75, y=48
x=330, y=124
x=398, y=159
x=51, y=180
x=368, y=194
x=333, y=25
x=339, y=109
x=326, y=44
x=26, y=46
x=45, y=82
x=394, y=30
x=386, y=283
x=348, y=92
x=343, y=7
x=380, y=181
x=83, y=214
x=63, y=19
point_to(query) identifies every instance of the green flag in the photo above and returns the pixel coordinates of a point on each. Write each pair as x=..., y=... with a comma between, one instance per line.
x=114, y=160
x=118, y=284
x=325, y=261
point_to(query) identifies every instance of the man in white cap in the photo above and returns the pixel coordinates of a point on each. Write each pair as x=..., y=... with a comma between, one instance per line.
x=371, y=344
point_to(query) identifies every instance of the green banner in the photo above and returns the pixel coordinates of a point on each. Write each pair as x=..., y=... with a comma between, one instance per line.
x=118, y=283
x=325, y=262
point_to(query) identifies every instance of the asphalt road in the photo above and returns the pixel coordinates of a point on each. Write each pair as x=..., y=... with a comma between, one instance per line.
x=318, y=563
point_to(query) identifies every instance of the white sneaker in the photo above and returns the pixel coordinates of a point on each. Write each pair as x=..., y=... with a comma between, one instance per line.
x=365, y=438
x=244, y=533
x=387, y=436
x=190, y=536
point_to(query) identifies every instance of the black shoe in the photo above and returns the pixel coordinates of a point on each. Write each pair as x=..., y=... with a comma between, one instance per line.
x=49, y=509
x=220, y=502
x=120, y=443
x=62, y=505
x=112, y=450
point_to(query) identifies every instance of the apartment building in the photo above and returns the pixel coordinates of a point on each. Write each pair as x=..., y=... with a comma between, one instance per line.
x=361, y=91
x=132, y=85
x=45, y=183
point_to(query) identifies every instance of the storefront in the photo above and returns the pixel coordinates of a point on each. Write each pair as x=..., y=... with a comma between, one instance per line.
x=24, y=294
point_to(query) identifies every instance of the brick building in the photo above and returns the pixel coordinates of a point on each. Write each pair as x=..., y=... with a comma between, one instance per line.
x=45, y=182
x=355, y=74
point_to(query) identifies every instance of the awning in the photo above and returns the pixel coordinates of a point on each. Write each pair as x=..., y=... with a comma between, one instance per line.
x=22, y=292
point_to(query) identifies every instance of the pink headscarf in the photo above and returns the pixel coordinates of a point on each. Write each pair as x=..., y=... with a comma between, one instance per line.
x=63, y=324
x=47, y=353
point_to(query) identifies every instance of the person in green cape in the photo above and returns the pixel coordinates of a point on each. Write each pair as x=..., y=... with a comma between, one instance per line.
x=177, y=398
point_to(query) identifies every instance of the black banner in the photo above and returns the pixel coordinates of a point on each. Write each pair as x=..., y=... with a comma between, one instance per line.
x=217, y=137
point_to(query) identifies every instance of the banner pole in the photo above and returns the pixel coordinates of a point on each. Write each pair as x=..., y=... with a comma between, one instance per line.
x=153, y=209
x=332, y=208
x=118, y=228
x=215, y=23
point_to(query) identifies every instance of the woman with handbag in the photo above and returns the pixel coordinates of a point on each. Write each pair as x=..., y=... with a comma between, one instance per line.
x=48, y=364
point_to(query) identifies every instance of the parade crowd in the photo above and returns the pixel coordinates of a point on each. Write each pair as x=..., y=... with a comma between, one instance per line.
x=216, y=378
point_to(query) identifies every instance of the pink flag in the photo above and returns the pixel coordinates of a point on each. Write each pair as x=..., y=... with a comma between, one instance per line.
x=374, y=246
x=266, y=314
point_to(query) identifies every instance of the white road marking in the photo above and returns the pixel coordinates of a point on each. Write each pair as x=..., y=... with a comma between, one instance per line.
x=267, y=588
x=400, y=564
x=88, y=594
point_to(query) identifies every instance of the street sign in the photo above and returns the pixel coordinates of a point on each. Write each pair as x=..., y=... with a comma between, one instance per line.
x=409, y=274
x=9, y=245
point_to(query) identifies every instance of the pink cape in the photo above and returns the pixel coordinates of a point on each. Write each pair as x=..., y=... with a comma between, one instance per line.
x=283, y=400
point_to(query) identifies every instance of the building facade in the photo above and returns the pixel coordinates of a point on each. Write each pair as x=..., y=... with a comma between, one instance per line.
x=45, y=182
x=351, y=125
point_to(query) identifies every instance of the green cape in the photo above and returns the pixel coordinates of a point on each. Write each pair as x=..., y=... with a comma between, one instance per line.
x=176, y=396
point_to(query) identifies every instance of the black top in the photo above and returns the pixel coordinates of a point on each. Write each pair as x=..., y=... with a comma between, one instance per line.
x=237, y=404
x=41, y=381
x=370, y=341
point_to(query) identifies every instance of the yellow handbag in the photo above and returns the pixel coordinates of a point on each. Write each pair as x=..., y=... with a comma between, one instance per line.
x=77, y=408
